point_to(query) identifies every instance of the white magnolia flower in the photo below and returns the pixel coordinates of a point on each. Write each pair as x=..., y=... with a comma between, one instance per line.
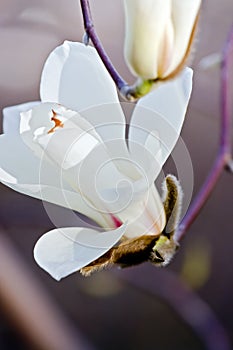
x=159, y=34
x=77, y=157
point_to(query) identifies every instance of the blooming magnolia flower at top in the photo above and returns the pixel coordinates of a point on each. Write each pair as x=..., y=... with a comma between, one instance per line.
x=71, y=150
x=159, y=34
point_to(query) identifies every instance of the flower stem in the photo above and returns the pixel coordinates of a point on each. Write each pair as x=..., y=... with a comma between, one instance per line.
x=129, y=92
x=223, y=159
x=91, y=33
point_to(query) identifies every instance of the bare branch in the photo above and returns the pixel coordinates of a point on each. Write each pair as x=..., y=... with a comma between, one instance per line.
x=223, y=159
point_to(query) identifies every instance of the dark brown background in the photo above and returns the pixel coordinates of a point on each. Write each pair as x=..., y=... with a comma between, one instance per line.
x=111, y=314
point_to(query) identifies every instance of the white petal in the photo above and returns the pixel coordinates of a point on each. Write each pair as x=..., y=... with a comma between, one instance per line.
x=66, y=144
x=41, y=117
x=145, y=217
x=99, y=179
x=63, y=251
x=145, y=42
x=141, y=206
x=75, y=77
x=11, y=116
x=17, y=161
x=83, y=159
x=83, y=83
x=23, y=172
x=157, y=121
x=184, y=16
x=109, y=122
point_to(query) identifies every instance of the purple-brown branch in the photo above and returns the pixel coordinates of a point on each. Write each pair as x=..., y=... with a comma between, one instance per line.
x=223, y=159
x=91, y=34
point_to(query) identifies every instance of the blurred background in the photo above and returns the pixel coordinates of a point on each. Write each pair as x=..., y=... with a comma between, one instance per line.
x=138, y=308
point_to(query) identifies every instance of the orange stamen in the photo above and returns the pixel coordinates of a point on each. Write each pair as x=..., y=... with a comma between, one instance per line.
x=58, y=123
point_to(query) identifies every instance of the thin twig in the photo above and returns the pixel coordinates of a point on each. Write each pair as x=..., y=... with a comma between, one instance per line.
x=187, y=304
x=30, y=309
x=223, y=158
x=129, y=92
x=91, y=33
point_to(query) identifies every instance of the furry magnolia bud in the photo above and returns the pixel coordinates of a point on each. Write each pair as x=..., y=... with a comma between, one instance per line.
x=159, y=35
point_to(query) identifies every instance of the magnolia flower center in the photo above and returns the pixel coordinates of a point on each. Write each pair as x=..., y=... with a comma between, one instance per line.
x=58, y=123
